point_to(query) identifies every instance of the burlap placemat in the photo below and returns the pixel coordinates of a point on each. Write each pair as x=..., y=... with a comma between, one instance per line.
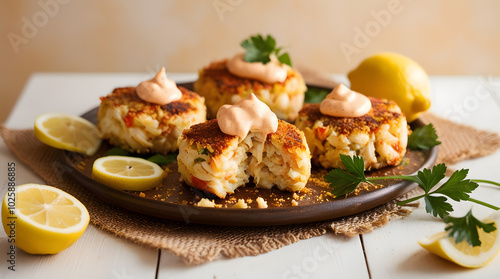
x=197, y=244
x=460, y=142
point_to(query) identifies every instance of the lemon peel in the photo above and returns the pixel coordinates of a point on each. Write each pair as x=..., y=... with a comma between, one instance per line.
x=394, y=77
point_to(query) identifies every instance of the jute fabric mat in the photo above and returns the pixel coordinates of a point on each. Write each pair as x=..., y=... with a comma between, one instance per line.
x=196, y=244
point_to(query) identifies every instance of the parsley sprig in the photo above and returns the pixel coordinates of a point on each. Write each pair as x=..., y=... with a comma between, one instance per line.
x=423, y=138
x=457, y=188
x=259, y=49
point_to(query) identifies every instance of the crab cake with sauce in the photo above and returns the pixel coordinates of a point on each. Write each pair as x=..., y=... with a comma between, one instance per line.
x=219, y=87
x=136, y=125
x=276, y=84
x=379, y=136
x=216, y=162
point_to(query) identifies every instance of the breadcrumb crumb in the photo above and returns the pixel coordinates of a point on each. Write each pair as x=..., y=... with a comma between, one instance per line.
x=206, y=203
x=240, y=204
x=261, y=202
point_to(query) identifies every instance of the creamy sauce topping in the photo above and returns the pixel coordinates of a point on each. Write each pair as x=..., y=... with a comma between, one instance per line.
x=247, y=115
x=271, y=72
x=159, y=90
x=343, y=102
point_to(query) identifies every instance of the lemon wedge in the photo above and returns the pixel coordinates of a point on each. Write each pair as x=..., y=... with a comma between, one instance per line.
x=68, y=132
x=394, y=77
x=463, y=253
x=43, y=219
x=127, y=173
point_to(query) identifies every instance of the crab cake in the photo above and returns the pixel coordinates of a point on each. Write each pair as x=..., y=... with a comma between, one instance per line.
x=219, y=163
x=219, y=86
x=380, y=136
x=138, y=126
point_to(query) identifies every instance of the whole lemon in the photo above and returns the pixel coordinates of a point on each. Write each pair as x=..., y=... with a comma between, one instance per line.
x=394, y=77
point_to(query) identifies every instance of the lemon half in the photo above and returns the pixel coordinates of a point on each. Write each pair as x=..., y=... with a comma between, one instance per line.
x=127, y=173
x=68, y=132
x=394, y=77
x=43, y=219
x=463, y=253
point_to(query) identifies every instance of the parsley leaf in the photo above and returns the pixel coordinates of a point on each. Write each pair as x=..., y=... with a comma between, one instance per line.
x=354, y=165
x=157, y=158
x=466, y=227
x=457, y=187
x=117, y=151
x=423, y=138
x=344, y=182
x=429, y=178
x=315, y=95
x=437, y=205
x=285, y=59
x=163, y=159
x=259, y=49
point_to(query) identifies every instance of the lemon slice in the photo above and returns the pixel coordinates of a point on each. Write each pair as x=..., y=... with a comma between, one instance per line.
x=68, y=132
x=127, y=173
x=43, y=219
x=463, y=253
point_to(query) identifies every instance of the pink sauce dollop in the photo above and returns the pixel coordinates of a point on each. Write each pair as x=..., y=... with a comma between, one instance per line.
x=159, y=90
x=270, y=72
x=343, y=102
x=247, y=115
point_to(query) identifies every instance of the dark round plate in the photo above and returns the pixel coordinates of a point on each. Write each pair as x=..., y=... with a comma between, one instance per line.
x=175, y=200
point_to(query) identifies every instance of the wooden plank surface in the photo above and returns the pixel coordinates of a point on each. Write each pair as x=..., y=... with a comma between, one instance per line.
x=325, y=256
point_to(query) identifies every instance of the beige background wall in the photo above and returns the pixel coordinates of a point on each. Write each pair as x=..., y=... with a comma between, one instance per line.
x=447, y=37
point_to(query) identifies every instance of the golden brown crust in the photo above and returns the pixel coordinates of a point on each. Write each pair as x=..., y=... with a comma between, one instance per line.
x=128, y=96
x=228, y=83
x=288, y=135
x=208, y=135
x=381, y=112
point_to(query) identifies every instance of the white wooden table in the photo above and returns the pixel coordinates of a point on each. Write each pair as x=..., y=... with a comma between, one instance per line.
x=388, y=252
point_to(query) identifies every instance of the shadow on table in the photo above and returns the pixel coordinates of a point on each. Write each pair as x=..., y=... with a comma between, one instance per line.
x=425, y=263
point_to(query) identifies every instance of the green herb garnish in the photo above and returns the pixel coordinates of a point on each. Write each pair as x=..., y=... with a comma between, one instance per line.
x=163, y=159
x=347, y=181
x=157, y=158
x=423, y=138
x=259, y=49
x=117, y=151
x=315, y=95
x=457, y=188
x=466, y=228
x=199, y=160
x=204, y=151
